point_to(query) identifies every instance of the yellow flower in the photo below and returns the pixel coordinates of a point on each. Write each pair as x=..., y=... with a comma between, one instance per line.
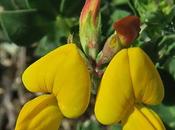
x=64, y=75
x=129, y=81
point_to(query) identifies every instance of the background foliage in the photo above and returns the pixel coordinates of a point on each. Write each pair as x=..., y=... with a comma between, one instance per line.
x=31, y=28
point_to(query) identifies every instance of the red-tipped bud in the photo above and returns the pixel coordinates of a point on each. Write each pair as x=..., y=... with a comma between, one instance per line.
x=92, y=7
x=127, y=29
x=90, y=27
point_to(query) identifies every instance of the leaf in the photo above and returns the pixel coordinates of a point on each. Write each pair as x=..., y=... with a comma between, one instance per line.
x=119, y=2
x=162, y=54
x=14, y=4
x=20, y=4
x=23, y=27
x=153, y=13
x=166, y=52
x=49, y=8
x=71, y=8
x=119, y=14
x=7, y=4
x=88, y=125
x=115, y=127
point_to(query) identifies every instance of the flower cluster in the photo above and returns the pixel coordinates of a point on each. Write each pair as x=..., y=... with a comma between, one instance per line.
x=128, y=85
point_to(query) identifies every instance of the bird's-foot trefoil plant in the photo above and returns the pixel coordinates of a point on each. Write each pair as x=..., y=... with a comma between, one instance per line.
x=129, y=81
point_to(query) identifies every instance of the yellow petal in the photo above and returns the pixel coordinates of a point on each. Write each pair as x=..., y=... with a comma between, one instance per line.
x=146, y=81
x=41, y=113
x=115, y=96
x=143, y=118
x=64, y=73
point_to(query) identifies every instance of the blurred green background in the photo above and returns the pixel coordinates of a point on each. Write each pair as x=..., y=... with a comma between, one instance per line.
x=31, y=28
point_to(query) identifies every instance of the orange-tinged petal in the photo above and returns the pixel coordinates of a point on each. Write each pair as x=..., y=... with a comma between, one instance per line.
x=143, y=118
x=146, y=81
x=115, y=96
x=64, y=73
x=127, y=29
x=41, y=113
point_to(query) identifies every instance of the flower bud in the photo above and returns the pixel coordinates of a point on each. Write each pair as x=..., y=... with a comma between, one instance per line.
x=90, y=25
x=111, y=47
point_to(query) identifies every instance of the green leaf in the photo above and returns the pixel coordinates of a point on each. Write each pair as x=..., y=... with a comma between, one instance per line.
x=14, y=4
x=162, y=53
x=21, y=4
x=88, y=125
x=119, y=14
x=119, y=2
x=49, y=8
x=155, y=15
x=166, y=53
x=152, y=11
x=23, y=27
x=115, y=127
x=7, y=4
x=71, y=8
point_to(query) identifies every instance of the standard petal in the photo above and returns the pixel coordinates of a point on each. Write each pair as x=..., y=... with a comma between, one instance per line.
x=127, y=29
x=115, y=96
x=64, y=73
x=41, y=113
x=146, y=81
x=143, y=118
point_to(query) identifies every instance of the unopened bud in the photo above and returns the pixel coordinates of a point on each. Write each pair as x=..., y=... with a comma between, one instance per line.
x=90, y=28
x=111, y=47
